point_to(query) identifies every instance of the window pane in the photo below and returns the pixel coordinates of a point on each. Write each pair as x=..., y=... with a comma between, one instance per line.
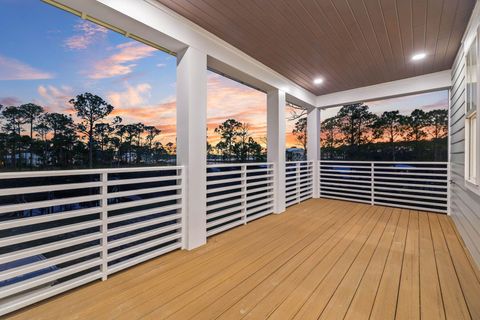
x=472, y=149
x=472, y=78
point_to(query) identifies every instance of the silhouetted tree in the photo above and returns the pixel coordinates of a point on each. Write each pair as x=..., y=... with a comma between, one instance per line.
x=152, y=132
x=31, y=112
x=296, y=112
x=228, y=132
x=438, y=121
x=329, y=132
x=42, y=128
x=389, y=125
x=415, y=125
x=300, y=133
x=241, y=147
x=91, y=109
x=354, y=122
x=64, y=137
x=171, y=148
x=255, y=149
x=14, y=119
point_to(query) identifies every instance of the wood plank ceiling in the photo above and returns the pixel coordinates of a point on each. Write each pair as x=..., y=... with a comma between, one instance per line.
x=350, y=43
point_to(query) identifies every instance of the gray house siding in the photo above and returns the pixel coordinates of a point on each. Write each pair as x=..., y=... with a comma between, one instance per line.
x=465, y=205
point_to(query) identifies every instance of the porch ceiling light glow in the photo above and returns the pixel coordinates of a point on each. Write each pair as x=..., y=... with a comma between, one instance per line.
x=419, y=56
x=318, y=81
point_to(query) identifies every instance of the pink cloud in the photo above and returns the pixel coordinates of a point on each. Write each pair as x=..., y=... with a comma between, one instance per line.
x=162, y=116
x=9, y=101
x=89, y=33
x=133, y=105
x=55, y=99
x=131, y=96
x=12, y=69
x=229, y=99
x=122, y=62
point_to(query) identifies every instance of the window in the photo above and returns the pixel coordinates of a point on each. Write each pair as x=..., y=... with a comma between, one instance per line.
x=471, y=118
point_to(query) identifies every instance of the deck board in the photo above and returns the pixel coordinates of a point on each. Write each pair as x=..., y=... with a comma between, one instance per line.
x=322, y=259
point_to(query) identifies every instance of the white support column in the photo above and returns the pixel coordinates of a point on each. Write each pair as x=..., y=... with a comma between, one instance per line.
x=276, y=143
x=313, y=146
x=192, y=141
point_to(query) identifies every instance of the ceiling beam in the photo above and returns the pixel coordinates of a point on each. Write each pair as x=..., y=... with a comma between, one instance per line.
x=420, y=84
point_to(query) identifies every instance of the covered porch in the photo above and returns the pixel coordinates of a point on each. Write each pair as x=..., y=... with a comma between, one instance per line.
x=323, y=258
x=319, y=238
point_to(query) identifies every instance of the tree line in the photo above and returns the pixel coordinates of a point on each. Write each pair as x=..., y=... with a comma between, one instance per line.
x=355, y=133
x=236, y=144
x=31, y=138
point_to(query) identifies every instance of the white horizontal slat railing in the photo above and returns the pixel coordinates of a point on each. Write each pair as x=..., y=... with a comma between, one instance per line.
x=62, y=229
x=298, y=181
x=238, y=193
x=411, y=185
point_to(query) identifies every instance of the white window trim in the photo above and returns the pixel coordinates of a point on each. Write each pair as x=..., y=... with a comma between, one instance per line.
x=473, y=185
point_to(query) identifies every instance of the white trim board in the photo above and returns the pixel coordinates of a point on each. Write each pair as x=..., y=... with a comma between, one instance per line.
x=424, y=83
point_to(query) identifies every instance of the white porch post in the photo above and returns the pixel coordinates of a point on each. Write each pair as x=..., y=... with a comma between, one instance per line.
x=313, y=146
x=192, y=141
x=276, y=143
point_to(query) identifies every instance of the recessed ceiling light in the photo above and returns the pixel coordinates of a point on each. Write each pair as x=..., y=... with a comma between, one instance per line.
x=318, y=81
x=419, y=56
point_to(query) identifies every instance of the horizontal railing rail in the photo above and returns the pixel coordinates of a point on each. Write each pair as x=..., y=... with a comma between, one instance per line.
x=298, y=181
x=238, y=193
x=62, y=229
x=412, y=185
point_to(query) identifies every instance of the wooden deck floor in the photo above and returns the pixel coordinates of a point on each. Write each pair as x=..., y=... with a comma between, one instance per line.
x=322, y=259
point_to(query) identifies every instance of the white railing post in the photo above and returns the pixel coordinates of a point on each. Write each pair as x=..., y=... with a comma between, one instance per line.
x=104, y=217
x=183, y=207
x=372, y=182
x=449, y=187
x=276, y=104
x=319, y=184
x=313, y=147
x=192, y=141
x=244, y=192
x=297, y=181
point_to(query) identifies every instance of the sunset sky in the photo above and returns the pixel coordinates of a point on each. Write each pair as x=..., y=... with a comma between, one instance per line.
x=48, y=56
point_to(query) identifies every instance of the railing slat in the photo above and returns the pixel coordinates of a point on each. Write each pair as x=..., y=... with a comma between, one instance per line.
x=409, y=182
x=298, y=181
x=251, y=185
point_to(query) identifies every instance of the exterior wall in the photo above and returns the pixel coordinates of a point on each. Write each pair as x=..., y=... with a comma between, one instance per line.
x=465, y=205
